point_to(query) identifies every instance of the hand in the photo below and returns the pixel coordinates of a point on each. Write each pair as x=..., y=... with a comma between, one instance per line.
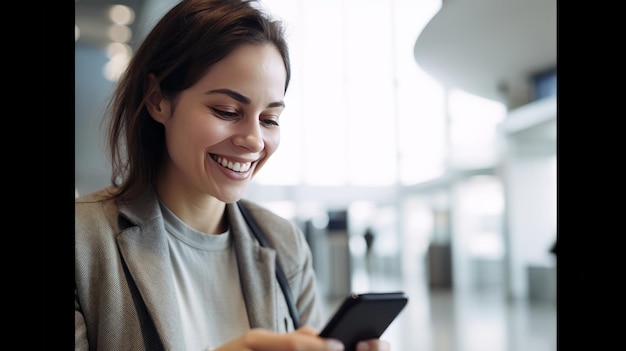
x=303, y=339
x=373, y=345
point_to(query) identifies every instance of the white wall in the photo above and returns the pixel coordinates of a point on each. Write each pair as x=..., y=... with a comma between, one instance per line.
x=531, y=184
x=530, y=180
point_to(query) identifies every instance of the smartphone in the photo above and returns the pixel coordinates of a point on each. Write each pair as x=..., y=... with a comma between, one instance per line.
x=364, y=316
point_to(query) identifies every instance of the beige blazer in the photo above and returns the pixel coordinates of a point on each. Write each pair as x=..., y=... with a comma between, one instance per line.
x=124, y=292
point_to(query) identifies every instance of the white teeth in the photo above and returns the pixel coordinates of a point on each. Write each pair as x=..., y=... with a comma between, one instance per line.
x=235, y=166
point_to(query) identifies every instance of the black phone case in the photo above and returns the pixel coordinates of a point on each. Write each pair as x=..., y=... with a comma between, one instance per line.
x=364, y=316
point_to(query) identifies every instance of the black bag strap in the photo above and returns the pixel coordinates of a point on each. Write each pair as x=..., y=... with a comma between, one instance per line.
x=280, y=275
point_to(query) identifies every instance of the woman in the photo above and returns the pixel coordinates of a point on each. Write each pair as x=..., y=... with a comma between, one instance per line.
x=164, y=258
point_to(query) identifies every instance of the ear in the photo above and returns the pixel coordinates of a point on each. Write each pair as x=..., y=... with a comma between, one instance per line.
x=158, y=106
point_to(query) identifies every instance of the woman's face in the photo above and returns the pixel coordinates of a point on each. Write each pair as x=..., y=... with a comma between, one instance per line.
x=222, y=130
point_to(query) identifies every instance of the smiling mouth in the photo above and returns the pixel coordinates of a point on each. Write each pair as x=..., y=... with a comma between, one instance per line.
x=234, y=166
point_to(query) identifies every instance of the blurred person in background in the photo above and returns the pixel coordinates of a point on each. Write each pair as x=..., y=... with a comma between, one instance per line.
x=164, y=258
x=369, y=237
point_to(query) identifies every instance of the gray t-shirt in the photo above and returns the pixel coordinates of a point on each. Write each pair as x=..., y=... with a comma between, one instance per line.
x=206, y=276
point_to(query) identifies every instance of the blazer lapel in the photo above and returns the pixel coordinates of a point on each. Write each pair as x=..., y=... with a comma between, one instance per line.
x=256, y=271
x=145, y=252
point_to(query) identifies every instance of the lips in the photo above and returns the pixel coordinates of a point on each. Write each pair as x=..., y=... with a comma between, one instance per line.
x=234, y=166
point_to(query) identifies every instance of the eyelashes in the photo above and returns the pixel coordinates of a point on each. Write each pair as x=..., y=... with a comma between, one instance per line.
x=270, y=122
x=225, y=115
x=234, y=115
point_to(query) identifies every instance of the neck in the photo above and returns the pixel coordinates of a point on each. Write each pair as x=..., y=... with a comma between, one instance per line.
x=203, y=213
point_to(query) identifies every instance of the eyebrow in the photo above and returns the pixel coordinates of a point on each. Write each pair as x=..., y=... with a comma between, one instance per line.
x=235, y=95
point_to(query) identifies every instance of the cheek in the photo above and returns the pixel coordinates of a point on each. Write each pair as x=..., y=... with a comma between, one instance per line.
x=272, y=140
x=188, y=135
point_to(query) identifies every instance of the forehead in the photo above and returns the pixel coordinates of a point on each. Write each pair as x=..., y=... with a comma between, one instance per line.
x=248, y=68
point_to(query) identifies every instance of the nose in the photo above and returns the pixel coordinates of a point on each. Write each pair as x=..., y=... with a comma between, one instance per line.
x=250, y=135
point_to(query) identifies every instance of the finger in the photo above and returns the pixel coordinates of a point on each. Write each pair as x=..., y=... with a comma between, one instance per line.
x=307, y=330
x=263, y=340
x=373, y=345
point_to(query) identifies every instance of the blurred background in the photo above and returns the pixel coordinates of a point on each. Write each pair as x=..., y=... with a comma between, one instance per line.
x=430, y=167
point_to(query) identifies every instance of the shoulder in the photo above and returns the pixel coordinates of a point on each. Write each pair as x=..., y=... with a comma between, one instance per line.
x=98, y=196
x=93, y=205
x=95, y=218
x=95, y=228
x=284, y=235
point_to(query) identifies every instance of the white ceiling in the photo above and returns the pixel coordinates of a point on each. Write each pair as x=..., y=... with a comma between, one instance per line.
x=479, y=46
x=490, y=48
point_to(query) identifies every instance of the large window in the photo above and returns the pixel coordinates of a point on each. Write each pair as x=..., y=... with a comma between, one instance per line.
x=359, y=109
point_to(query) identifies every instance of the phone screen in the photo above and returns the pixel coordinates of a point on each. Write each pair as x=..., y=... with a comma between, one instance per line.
x=364, y=316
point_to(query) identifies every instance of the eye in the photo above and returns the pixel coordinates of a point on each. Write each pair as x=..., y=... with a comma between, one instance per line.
x=269, y=121
x=226, y=115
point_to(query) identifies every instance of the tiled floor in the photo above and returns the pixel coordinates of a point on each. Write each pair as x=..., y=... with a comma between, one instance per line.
x=448, y=320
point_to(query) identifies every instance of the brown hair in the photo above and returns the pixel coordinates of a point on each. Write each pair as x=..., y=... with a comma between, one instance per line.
x=185, y=43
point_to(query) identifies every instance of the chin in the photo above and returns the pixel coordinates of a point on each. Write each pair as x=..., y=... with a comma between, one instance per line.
x=230, y=197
